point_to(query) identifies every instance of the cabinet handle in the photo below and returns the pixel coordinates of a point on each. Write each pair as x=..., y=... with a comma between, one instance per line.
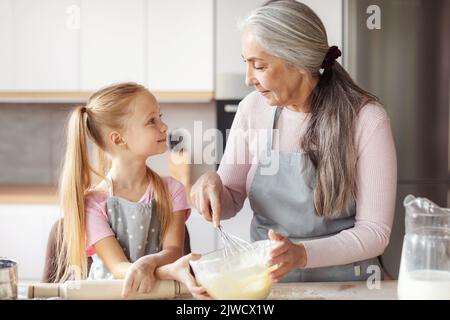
x=231, y=108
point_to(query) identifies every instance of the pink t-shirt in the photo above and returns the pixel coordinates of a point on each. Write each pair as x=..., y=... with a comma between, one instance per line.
x=97, y=226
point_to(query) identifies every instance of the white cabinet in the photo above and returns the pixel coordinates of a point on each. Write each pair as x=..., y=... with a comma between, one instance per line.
x=205, y=238
x=24, y=231
x=230, y=68
x=39, y=52
x=330, y=12
x=165, y=45
x=6, y=41
x=180, y=45
x=239, y=225
x=203, y=235
x=229, y=13
x=112, y=42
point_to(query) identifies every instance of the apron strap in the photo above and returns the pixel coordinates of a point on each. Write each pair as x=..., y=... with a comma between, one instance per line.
x=276, y=115
x=110, y=184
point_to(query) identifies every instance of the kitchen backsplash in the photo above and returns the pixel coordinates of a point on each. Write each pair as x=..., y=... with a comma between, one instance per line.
x=32, y=139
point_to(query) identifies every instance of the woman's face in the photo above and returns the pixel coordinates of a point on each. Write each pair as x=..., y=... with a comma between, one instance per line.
x=280, y=83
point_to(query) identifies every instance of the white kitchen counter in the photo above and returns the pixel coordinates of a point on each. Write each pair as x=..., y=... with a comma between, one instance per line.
x=357, y=290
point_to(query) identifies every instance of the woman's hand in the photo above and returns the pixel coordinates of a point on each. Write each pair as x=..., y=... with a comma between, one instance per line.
x=286, y=256
x=180, y=271
x=140, y=276
x=206, y=195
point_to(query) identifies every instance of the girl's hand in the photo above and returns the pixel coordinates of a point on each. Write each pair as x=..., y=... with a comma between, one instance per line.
x=140, y=276
x=180, y=270
x=286, y=256
x=206, y=195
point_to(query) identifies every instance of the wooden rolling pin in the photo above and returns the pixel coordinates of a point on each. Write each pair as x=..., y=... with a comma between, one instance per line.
x=103, y=290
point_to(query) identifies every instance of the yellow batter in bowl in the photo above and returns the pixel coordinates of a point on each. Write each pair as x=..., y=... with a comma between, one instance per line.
x=238, y=277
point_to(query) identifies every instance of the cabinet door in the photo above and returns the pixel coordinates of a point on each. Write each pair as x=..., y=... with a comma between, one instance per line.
x=39, y=48
x=202, y=234
x=6, y=42
x=230, y=67
x=180, y=45
x=24, y=231
x=330, y=12
x=239, y=225
x=112, y=42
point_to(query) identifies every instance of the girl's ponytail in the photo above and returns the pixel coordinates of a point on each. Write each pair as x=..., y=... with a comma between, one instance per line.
x=163, y=203
x=75, y=180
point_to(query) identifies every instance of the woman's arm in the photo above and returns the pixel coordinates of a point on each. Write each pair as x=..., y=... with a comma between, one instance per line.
x=225, y=191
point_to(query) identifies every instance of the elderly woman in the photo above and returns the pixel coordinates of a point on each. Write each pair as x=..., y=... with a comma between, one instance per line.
x=323, y=183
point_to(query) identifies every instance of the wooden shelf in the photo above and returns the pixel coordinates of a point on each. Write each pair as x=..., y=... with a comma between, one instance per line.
x=28, y=194
x=161, y=96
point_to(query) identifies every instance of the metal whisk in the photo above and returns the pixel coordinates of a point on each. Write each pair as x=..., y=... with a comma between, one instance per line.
x=232, y=244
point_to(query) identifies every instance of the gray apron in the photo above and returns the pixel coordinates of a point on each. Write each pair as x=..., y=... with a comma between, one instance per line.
x=283, y=201
x=136, y=228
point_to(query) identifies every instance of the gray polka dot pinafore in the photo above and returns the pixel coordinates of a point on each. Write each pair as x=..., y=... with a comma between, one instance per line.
x=136, y=228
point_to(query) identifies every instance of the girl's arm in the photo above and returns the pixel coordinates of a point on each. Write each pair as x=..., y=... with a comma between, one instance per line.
x=111, y=253
x=172, y=247
x=140, y=276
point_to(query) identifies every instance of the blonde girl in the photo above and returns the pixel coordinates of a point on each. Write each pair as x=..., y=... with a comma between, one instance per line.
x=132, y=221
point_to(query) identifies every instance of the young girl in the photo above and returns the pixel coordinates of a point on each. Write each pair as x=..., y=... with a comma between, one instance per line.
x=133, y=221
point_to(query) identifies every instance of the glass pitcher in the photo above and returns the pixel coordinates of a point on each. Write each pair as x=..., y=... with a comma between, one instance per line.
x=425, y=262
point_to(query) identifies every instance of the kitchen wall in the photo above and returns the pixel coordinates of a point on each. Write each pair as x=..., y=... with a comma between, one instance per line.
x=33, y=138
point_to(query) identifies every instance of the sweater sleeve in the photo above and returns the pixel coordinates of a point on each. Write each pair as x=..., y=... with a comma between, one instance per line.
x=235, y=165
x=179, y=197
x=375, y=205
x=97, y=226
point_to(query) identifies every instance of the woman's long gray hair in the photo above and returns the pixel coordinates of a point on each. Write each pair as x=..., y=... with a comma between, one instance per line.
x=292, y=31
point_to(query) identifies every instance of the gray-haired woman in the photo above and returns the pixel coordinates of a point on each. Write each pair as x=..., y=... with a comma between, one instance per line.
x=323, y=184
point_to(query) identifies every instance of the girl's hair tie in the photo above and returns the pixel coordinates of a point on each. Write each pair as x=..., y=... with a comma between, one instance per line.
x=331, y=56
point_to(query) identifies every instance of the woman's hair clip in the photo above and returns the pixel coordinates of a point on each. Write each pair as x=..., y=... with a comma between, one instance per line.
x=331, y=56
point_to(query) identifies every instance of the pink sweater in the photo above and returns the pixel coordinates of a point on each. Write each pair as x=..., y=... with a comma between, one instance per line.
x=376, y=176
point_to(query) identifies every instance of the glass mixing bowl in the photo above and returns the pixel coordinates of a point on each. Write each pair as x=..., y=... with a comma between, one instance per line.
x=243, y=276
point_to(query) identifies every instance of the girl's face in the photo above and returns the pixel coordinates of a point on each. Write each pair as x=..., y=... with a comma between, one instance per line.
x=277, y=81
x=145, y=133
